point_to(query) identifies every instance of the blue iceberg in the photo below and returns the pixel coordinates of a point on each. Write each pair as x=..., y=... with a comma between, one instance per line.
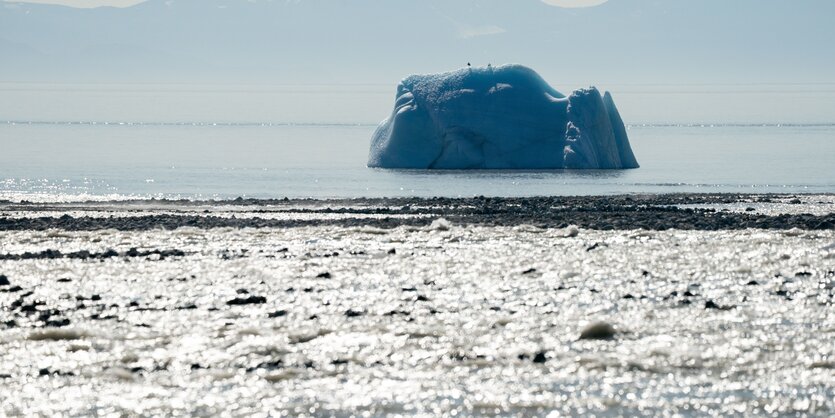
x=504, y=117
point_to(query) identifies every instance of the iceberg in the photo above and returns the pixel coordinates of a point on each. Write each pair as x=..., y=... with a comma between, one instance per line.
x=504, y=117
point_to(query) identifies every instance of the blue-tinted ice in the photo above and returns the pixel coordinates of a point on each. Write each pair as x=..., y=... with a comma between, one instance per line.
x=504, y=117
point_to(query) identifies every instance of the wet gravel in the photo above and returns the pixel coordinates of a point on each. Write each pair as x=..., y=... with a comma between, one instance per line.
x=649, y=212
x=439, y=307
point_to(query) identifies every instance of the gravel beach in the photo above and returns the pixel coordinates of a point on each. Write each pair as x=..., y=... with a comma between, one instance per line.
x=639, y=305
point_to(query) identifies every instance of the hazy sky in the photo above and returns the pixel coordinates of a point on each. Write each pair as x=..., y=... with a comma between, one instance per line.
x=82, y=3
x=377, y=41
x=664, y=60
x=128, y=3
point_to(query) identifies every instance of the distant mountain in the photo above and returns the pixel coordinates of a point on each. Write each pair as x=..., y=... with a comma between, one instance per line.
x=374, y=41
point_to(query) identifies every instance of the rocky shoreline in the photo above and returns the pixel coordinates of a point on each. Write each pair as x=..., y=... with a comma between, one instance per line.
x=621, y=212
x=397, y=306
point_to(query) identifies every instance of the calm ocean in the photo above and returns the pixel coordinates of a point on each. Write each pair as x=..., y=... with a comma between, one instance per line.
x=70, y=143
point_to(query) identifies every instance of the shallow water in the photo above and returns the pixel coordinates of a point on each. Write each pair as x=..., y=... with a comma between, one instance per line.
x=450, y=322
x=47, y=161
x=112, y=141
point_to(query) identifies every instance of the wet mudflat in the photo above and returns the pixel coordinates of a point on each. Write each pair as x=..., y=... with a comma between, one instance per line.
x=425, y=314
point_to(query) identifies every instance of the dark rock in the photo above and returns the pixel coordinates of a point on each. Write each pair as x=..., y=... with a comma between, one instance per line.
x=595, y=246
x=409, y=289
x=628, y=296
x=267, y=365
x=48, y=372
x=4, y=281
x=187, y=307
x=251, y=300
x=529, y=271
x=45, y=315
x=350, y=313
x=540, y=357
x=110, y=253
x=753, y=283
x=598, y=331
x=12, y=289
x=325, y=275
x=31, y=307
x=713, y=305
x=395, y=312
x=392, y=251
x=95, y=297
x=277, y=314
x=421, y=298
x=242, y=292
x=803, y=274
x=64, y=280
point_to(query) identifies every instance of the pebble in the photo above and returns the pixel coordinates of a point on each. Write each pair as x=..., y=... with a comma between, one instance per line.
x=350, y=313
x=251, y=300
x=598, y=331
x=712, y=305
x=56, y=334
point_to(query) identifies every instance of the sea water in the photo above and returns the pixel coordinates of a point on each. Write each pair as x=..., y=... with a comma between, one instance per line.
x=68, y=142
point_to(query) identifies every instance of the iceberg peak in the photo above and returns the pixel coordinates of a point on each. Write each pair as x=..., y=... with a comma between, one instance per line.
x=503, y=117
